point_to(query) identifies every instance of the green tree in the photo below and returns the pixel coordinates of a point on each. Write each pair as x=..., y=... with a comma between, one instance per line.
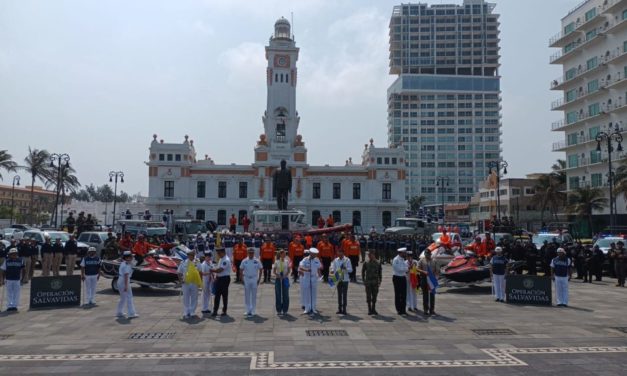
x=6, y=162
x=620, y=180
x=37, y=165
x=416, y=202
x=549, y=195
x=586, y=200
x=68, y=184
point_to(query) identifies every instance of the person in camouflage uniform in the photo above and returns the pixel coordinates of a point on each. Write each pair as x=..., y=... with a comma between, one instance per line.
x=371, y=275
x=111, y=248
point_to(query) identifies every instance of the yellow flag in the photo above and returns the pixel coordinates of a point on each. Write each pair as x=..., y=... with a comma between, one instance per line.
x=192, y=275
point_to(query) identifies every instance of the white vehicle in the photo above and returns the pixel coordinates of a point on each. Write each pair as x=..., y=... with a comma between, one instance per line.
x=10, y=232
x=40, y=236
x=270, y=221
x=540, y=238
x=604, y=243
x=94, y=239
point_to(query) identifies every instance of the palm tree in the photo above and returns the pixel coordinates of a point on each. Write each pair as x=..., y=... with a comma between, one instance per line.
x=37, y=165
x=549, y=194
x=586, y=200
x=416, y=202
x=6, y=162
x=69, y=182
x=620, y=179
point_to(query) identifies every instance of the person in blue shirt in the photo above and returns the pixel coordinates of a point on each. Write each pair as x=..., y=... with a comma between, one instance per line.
x=561, y=271
x=12, y=268
x=90, y=272
x=498, y=269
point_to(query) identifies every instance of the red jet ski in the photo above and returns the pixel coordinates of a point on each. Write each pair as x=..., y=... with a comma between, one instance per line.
x=154, y=271
x=466, y=269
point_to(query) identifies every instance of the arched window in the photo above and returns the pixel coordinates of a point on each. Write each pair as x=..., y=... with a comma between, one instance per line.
x=221, y=217
x=314, y=217
x=386, y=219
x=281, y=77
x=337, y=216
x=276, y=77
x=286, y=78
x=200, y=214
x=356, y=218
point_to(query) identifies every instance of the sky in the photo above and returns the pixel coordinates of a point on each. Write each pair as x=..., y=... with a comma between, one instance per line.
x=96, y=79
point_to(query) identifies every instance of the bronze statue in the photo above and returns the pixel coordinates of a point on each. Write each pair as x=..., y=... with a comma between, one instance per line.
x=282, y=185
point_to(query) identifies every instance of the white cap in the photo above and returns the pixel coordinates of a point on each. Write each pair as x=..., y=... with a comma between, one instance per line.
x=12, y=250
x=561, y=250
x=189, y=251
x=313, y=251
x=498, y=250
x=127, y=253
x=91, y=249
x=402, y=250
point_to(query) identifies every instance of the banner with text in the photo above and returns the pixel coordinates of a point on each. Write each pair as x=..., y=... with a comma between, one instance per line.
x=528, y=289
x=50, y=292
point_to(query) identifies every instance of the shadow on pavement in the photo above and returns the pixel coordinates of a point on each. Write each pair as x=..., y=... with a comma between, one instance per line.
x=256, y=319
x=439, y=317
x=384, y=318
x=194, y=320
x=287, y=317
x=349, y=317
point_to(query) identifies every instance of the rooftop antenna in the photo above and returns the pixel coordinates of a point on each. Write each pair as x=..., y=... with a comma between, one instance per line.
x=292, y=22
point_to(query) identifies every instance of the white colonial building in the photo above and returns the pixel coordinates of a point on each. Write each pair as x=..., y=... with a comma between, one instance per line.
x=370, y=192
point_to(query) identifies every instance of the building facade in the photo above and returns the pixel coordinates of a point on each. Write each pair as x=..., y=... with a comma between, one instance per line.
x=369, y=192
x=444, y=107
x=593, y=56
x=516, y=202
x=19, y=197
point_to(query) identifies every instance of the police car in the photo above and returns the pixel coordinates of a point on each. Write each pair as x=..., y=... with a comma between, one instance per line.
x=604, y=242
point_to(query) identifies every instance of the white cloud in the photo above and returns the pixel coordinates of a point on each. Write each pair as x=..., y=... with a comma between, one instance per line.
x=204, y=28
x=245, y=64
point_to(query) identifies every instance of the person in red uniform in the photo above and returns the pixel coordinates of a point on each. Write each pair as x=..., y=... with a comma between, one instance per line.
x=351, y=248
x=487, y=247
x=232, y=223
x=320, y=222
x=239, y=254
x=327, y=252
x=475, y=246
x=445, y=239
x=296, y=251
x=245, y=222
x=126, y=243
x=308, y=241
x=330, y=221
x=268, y=250
x=141, y=248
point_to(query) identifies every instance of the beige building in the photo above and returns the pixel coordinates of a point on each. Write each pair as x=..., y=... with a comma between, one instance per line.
x=43, y=200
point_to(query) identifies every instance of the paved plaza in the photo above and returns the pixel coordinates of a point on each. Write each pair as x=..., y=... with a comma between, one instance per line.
x=589, y=337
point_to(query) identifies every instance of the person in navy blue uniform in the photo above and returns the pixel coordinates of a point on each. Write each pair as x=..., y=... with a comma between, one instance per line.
x=561, y=267
x=363, y=245
x=90, y=273
x=12, y=268
x=498, y=269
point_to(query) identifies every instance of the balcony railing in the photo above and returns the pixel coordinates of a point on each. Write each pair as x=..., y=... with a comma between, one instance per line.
x=577, y=45
x=581, y=24
x=613, y=104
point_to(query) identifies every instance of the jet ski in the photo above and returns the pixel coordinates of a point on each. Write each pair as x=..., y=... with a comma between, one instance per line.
x=155, y=270
x=466, y=269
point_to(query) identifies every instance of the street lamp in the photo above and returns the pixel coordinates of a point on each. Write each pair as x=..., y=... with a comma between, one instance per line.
x=63, y=162
x=608, y=137
x=113, y=176
x=498, y=166
x=441, y=180
x=16, y=181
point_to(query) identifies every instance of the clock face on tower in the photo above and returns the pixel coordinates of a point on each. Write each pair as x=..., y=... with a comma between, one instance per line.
x=281, y=61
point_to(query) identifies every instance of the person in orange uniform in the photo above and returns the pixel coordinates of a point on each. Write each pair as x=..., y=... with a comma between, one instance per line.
x=268, y=251
x=141, y=248
x=126, y=243
x=327, y=253
x=296, y=251
x=475, y=246
x=445, y=239
x=232, y=223
x=351, y=248
x=487, y=247
x=330, y=221
x=239, y=254
x=308, y=241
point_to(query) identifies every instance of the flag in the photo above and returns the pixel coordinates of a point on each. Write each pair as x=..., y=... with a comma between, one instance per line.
x=413, y=277
x=333, y=279
x=432, y=281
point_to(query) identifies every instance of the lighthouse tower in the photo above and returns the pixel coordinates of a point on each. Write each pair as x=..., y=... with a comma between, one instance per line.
x=280, y=119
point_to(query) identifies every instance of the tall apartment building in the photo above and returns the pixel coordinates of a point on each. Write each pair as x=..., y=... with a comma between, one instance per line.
x=593, y=55
x=444, y=107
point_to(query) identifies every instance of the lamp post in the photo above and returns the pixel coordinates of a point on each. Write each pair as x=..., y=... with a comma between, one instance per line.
x=114, y=176
x=63, y=162
x=441, y=181
x=498, y=166
x=608, y=137
x=16, y=181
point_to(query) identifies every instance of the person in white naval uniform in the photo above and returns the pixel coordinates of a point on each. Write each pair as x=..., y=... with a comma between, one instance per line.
x=310, y=269
x=207, y=281
x=190, y=281
x=124, y=286
x=250, y=272
x=412, y=295
x=302, y=291
x=399, y=279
